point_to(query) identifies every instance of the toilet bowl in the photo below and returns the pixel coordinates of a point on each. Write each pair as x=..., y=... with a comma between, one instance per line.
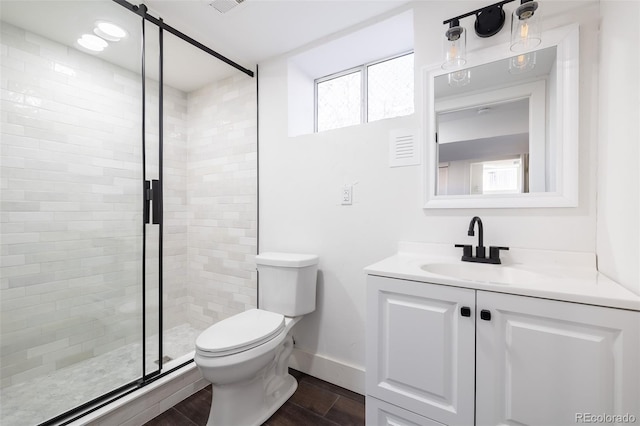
x=247, y=366
x=246, y=356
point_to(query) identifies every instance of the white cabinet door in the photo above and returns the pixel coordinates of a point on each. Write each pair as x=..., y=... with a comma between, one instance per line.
x=420, y=350
x=544, y=362
x=380, y=413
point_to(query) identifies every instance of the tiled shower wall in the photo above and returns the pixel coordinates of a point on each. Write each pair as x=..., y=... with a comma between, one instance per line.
x=71, y=211
x=210, y=202
x=222, y=200
x=71, y=223
x=175, y=208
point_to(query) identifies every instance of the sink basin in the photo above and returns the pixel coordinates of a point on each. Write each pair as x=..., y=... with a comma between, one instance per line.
x=480, y=272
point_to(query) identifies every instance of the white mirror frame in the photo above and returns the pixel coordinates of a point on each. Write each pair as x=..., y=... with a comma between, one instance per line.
x=565, y=170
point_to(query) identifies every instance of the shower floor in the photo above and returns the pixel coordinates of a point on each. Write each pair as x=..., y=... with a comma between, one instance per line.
x=35, y=401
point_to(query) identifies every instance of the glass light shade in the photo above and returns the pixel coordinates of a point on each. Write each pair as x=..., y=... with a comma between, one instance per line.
x=522, y=63
x=455, y=48
x=459, y=78
x=525, y=27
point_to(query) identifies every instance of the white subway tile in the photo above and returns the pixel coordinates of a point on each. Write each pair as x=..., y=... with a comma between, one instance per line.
x=90, y=153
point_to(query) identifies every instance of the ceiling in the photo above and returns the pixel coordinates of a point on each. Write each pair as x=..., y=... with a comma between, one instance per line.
x=248, y=34
x=256, y=30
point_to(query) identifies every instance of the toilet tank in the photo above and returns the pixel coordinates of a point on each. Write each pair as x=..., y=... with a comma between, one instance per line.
x=287, y=282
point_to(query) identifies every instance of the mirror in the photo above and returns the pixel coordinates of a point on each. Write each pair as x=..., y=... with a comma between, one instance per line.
x=503, y=131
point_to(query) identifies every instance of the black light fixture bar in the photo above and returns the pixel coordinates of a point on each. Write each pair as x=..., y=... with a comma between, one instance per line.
x=475, y=12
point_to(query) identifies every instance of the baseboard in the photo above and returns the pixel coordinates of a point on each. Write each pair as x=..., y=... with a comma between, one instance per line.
x=329, y=370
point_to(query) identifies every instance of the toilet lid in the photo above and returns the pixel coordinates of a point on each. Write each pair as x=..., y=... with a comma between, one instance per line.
x=240, y=332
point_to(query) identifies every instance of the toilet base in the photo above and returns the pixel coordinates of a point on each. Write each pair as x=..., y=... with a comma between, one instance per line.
x=262, y=406
x=264, y=382
x=278, y=398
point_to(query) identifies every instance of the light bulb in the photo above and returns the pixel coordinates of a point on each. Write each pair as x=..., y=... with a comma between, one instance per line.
x=453, y=52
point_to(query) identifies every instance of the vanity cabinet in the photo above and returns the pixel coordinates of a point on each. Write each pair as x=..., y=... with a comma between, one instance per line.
x=438, y=354
x=420, y=350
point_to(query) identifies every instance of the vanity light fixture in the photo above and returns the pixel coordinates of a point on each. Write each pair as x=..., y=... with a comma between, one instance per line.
x=489, y=19
x=525, y=27
x=109, y=31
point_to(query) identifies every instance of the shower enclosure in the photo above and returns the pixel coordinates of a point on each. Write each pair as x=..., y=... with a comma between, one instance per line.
x=129, y=203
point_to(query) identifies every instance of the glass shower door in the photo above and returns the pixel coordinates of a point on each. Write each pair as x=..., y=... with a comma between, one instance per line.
x=210, y=185
x=72, y=225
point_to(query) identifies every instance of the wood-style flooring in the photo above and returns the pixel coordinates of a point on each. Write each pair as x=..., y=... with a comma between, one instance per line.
x=315, y=403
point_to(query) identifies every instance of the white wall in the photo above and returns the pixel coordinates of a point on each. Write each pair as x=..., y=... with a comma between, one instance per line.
x=618, y=227
x=301, y=177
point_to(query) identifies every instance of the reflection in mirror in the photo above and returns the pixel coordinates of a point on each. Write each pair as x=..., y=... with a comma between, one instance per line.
x=503, y=132
x=492, y=131
x=471, y=164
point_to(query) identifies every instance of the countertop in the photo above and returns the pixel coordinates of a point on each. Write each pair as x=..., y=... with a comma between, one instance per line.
x=565, y=276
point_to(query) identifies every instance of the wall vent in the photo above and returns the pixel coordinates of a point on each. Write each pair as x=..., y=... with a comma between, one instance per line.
x=223, y=6
x=403, y=148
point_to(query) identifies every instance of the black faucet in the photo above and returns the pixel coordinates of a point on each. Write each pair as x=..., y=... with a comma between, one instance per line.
x=480, y=257
x=480, y=246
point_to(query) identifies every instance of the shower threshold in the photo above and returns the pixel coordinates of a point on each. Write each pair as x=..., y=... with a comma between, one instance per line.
x=40, y=399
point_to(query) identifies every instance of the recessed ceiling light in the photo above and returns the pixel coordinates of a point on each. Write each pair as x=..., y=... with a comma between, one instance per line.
x=109, y=31
x=92, y=42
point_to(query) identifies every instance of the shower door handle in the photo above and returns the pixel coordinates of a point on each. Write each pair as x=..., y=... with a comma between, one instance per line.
x=146, y=204
x=156, y=200
x=152, y=202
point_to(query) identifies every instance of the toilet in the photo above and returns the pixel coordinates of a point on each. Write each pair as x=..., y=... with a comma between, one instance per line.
x=246, y=356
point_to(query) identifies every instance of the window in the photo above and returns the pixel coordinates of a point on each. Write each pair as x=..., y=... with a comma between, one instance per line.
x=339, y=101
x=371, y=92
x=390, y=88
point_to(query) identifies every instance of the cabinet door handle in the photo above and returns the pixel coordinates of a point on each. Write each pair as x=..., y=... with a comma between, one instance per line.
x=465, y=311
x=485, y=315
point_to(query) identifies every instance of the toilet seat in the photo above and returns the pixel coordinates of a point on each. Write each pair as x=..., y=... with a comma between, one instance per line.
x=240, y=332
